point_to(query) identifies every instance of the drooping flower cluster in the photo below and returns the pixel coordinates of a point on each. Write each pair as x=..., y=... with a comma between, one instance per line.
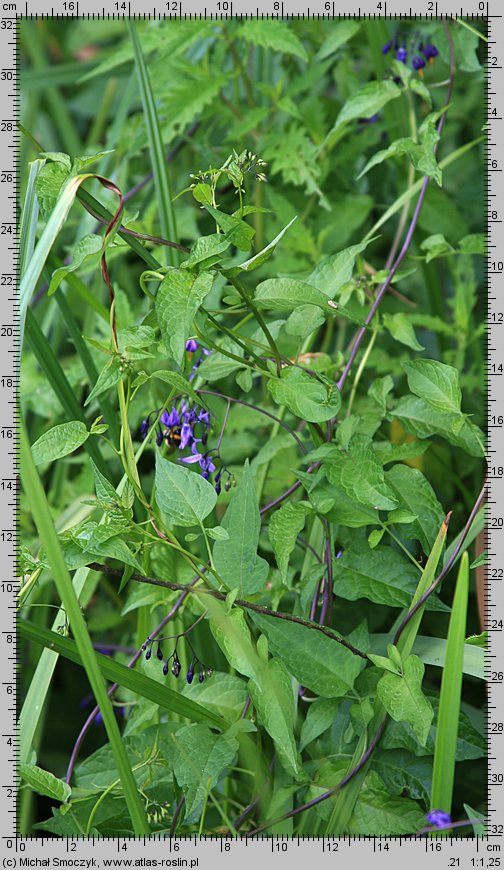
x=191, y=347
x=425, y=53
x=203, y=670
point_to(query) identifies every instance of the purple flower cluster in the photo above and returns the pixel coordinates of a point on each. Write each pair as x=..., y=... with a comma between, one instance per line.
x=176, y=667
x=426, y=53
x=438, y=818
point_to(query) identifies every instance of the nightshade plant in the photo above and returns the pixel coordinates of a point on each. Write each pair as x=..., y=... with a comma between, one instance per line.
x=252, y=507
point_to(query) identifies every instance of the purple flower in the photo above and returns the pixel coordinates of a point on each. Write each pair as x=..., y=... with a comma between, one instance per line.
x=171, y=419
x=402, y=54
x=204, y=459
x=186, y=436
x=388, y=45
x=191, y=345
x=418, y=62
x=144, y=427
x=430, y=51
x=438, y=818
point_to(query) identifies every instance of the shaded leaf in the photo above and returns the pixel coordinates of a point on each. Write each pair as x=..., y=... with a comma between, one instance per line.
x=183, y=495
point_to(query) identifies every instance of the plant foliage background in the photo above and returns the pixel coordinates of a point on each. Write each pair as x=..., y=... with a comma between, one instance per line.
x=233, y=497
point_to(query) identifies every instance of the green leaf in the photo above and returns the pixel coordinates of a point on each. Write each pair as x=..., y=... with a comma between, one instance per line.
x=59, y=441
x=340, y=33
x=240, y=232
x=45, y=783
x=286, y=294
x=199, y=760
x=403, y=699
x=400, y=735
x=382, y=575
x=48, y=185
x=421, y=154
x=321, y=715
x=178, y=299
x=260, y=258
x=207, y=251
x=419, y=418
x=415, y=494
x=273, y=697
x=284, y=528
x=89, y=248
x=224, y=695
x=312, y=399
x=279, y=37
x=376, y=811
x=449, y=700
x=436, y=383
x=108, y=378
x=236, y=558
x=401, y=329
x=183, y=495
x=322, y=665
x=402, y=772
x=332, y=273
x=359, y=473
x=180, y=384
x=366, y=102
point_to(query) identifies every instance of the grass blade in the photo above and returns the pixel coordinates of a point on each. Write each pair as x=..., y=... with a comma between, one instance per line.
x=156, y=148
x=42, y=517
x=449, y=700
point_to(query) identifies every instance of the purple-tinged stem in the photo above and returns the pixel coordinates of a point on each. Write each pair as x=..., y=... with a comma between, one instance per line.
x=176, y=815
x=409, y=235
x=260, y=411
x=92, y=716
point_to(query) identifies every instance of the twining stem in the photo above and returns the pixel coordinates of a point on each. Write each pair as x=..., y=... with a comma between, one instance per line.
x=239, y=602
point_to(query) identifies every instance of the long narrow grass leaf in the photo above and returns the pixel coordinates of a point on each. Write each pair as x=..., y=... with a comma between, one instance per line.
x=449, y=700
x=156, y=148
x=42, y=517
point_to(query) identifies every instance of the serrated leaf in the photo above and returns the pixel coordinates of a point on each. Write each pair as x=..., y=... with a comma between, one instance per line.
x=89, y=248
x=48, y=186
x=236, y=559
x=358, y=472
x=207, y=251
x=276, y=35
x=59, y=441
x=403, y=699
x=317, y=662
x=312, y=399
x=178, y=299
x=436, y=383
x=184, y=496
x=284, y=528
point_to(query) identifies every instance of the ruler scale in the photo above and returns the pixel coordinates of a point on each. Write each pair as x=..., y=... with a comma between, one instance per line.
x=208, y=851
